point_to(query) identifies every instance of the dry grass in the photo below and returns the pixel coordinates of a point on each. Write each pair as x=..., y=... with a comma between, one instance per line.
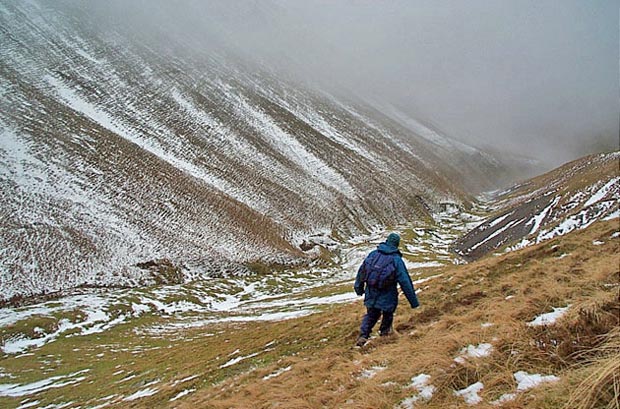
x=581, y=348
x=601, y=386
x=310, y=362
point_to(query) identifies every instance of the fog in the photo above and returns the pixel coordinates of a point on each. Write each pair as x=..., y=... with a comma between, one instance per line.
x=534, y=77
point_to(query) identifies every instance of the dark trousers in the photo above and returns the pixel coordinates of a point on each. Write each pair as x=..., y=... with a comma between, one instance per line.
x=371, y=318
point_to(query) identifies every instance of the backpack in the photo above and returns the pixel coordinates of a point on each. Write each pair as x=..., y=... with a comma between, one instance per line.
x=379, y=270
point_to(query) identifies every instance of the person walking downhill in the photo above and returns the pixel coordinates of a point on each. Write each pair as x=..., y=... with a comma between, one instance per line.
x=376, y=279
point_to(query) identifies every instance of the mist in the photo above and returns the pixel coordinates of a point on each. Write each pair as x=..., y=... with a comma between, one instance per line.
x=535, y=78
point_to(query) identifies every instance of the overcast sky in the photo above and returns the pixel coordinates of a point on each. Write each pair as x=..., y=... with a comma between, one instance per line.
x=539, y=77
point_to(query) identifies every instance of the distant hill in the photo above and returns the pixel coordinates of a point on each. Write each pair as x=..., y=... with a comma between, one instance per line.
x=569, y=198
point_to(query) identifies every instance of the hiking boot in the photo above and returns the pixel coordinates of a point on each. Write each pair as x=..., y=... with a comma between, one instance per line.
x=361, y=341
x=386, y=332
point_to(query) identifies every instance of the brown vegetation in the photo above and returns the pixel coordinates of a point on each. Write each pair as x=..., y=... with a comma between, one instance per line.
x=582, y=348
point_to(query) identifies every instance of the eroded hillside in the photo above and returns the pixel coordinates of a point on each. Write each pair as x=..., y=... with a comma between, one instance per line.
x=116, y=153
x=569, y=198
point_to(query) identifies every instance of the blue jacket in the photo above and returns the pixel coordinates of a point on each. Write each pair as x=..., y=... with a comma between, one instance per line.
x=387, y=299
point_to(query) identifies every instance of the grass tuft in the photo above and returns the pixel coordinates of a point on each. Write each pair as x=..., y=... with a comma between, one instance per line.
x=601, y=386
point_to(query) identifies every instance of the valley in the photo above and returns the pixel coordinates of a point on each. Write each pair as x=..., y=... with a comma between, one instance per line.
x=213, y=343
x=132, y=322
x=115, y=153
x=186, y=197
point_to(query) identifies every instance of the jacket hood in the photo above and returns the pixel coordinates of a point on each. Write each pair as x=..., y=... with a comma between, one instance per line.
x=388, y=248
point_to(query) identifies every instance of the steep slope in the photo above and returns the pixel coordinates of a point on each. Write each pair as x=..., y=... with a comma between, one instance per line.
x=497, y=327
x=534, y=327
x=465, y=160
x=569, y=198
x=117, y=152
x=527, y=329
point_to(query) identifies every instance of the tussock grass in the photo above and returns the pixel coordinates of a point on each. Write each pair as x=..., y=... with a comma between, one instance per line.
x=600, y=386
x=577, y=348
x=310, y=362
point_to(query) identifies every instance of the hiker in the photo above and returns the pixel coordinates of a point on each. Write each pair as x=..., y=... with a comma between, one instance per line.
x=376, y=280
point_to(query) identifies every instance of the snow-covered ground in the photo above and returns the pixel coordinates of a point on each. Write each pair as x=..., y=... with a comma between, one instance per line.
x=573, y=198
x=190, y=305
x=549, y=318
x=279, y=296
x=424, y=391
x=17, y=390
x=471, y=351
x=131, y=154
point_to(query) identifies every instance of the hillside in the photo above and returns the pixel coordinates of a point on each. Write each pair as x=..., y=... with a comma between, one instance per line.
x=181, y=223
x=535, y=328
x=569, y=198
x=117, y=153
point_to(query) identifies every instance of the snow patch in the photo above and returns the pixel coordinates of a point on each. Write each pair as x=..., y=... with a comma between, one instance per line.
x=189, y=378
x=527, y=381
x=181, y=394
x=602, y=192
x=143, y=393
x=613, y=215
x=540, y=217
x=548, y=318
x=371, y=372
x=277, y=373
x=507, y=397
x=96, y=320
x=421, y=383
x=28, y=404
x=578, y=221
x=238, y=359
x=470, y=394
x=500, y=219
x=471, y=351
x=16, y=390
x=423, y=280
x=496, y=233
x=423, y=264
